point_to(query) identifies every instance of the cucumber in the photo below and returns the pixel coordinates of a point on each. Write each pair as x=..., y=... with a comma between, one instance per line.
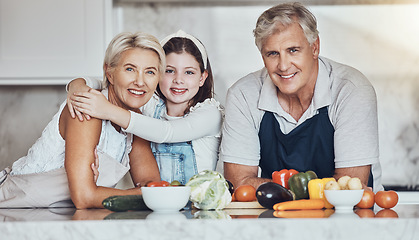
x=127, y=215
x=125, y=203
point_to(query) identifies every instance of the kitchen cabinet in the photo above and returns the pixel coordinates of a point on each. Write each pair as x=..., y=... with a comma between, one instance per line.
x=51, y=41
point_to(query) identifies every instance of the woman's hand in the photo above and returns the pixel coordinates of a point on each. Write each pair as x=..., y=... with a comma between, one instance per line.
x=92, y=103
x=76, y=85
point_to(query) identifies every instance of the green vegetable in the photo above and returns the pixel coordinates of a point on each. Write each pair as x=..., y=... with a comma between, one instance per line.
x=298, y=184
x=125, y=203
x=209, y=190
x=127, y=215
x=175, y=183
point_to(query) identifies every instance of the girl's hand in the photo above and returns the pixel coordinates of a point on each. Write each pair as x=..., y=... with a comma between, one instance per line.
x=76, y=85
x=92, y=103
x=95, y=167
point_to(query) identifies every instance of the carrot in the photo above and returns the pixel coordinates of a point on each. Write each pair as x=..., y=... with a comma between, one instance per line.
x=301, y=204
x=300, y=214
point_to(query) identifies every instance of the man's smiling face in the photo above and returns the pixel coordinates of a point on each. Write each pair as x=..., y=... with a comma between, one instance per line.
x=290, y=59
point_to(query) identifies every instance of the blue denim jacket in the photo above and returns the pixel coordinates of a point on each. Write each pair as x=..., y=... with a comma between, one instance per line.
x=176, y=161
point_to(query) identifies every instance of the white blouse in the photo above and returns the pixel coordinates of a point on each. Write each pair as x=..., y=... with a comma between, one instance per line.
x=48, y=152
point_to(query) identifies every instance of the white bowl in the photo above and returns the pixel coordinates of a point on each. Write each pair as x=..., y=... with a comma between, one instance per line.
x=170, y=215
x=344, y=200
x=166, y=199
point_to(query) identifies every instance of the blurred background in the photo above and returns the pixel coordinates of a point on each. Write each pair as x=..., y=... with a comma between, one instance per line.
x=46, y=43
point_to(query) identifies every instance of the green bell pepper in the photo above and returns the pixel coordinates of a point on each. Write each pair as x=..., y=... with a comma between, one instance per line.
x=298, y=184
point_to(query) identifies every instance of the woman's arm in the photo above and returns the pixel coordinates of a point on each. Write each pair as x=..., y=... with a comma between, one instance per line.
x=144, y=168
x=81, y=139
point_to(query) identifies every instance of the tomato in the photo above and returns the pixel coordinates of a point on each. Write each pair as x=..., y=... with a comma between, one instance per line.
x=245, y=193
x=387, y=213
x=367, y=200
x=365, y=213
x=164, y=183
x=386, y=199
x=158, y=184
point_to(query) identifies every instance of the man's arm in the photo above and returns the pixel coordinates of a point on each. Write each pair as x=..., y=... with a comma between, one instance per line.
x=240, y=148
x=239, y=174
x=361, y=172
x=356, y=133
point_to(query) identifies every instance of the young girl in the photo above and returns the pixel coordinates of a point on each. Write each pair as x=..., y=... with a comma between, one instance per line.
x=56, y=172
x=187, y=140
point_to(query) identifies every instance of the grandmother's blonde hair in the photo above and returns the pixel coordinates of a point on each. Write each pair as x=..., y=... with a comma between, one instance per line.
x=125, y=41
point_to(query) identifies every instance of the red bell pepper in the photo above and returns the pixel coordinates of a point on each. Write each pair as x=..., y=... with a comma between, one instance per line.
x=281, y=177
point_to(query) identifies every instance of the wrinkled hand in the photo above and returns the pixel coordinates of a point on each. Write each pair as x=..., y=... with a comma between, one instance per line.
x=92, y=103
x=95, y=167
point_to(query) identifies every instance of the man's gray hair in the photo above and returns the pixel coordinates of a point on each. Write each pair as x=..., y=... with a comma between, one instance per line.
x=285, y=14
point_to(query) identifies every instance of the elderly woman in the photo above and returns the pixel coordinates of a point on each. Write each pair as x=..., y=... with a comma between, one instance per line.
x=57, y=170
x=300, y=111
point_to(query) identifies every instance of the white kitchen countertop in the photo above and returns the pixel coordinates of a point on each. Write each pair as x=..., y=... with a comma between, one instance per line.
x=254, y=224
x=409, y=197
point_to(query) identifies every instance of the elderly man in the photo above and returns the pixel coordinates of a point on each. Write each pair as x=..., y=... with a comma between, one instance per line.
x=300, y=111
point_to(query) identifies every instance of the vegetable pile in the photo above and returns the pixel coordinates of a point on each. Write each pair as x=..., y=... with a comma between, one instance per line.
x=289, y=190
x=292, y=190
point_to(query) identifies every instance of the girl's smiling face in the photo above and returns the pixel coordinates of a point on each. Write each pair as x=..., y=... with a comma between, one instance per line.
x=181, y=81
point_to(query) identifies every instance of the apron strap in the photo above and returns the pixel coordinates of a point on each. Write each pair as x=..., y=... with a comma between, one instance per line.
x=3, y=174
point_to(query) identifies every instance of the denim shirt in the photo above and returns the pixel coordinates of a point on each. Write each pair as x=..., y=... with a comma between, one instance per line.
x=176, y=161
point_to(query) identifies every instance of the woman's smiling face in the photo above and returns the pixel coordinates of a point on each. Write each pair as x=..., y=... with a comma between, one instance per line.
x=135, y=77
x=182, y=80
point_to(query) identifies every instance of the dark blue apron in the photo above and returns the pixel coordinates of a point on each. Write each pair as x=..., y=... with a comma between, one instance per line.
x=310, y=146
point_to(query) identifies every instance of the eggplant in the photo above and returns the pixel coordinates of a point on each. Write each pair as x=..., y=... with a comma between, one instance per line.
x=269, y=193
x=230, y=187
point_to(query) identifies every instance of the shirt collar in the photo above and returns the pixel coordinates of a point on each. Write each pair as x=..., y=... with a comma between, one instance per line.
x=268, y=100
x=323, y=89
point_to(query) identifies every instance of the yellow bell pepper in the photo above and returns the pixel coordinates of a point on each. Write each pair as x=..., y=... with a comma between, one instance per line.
x=316, y=189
